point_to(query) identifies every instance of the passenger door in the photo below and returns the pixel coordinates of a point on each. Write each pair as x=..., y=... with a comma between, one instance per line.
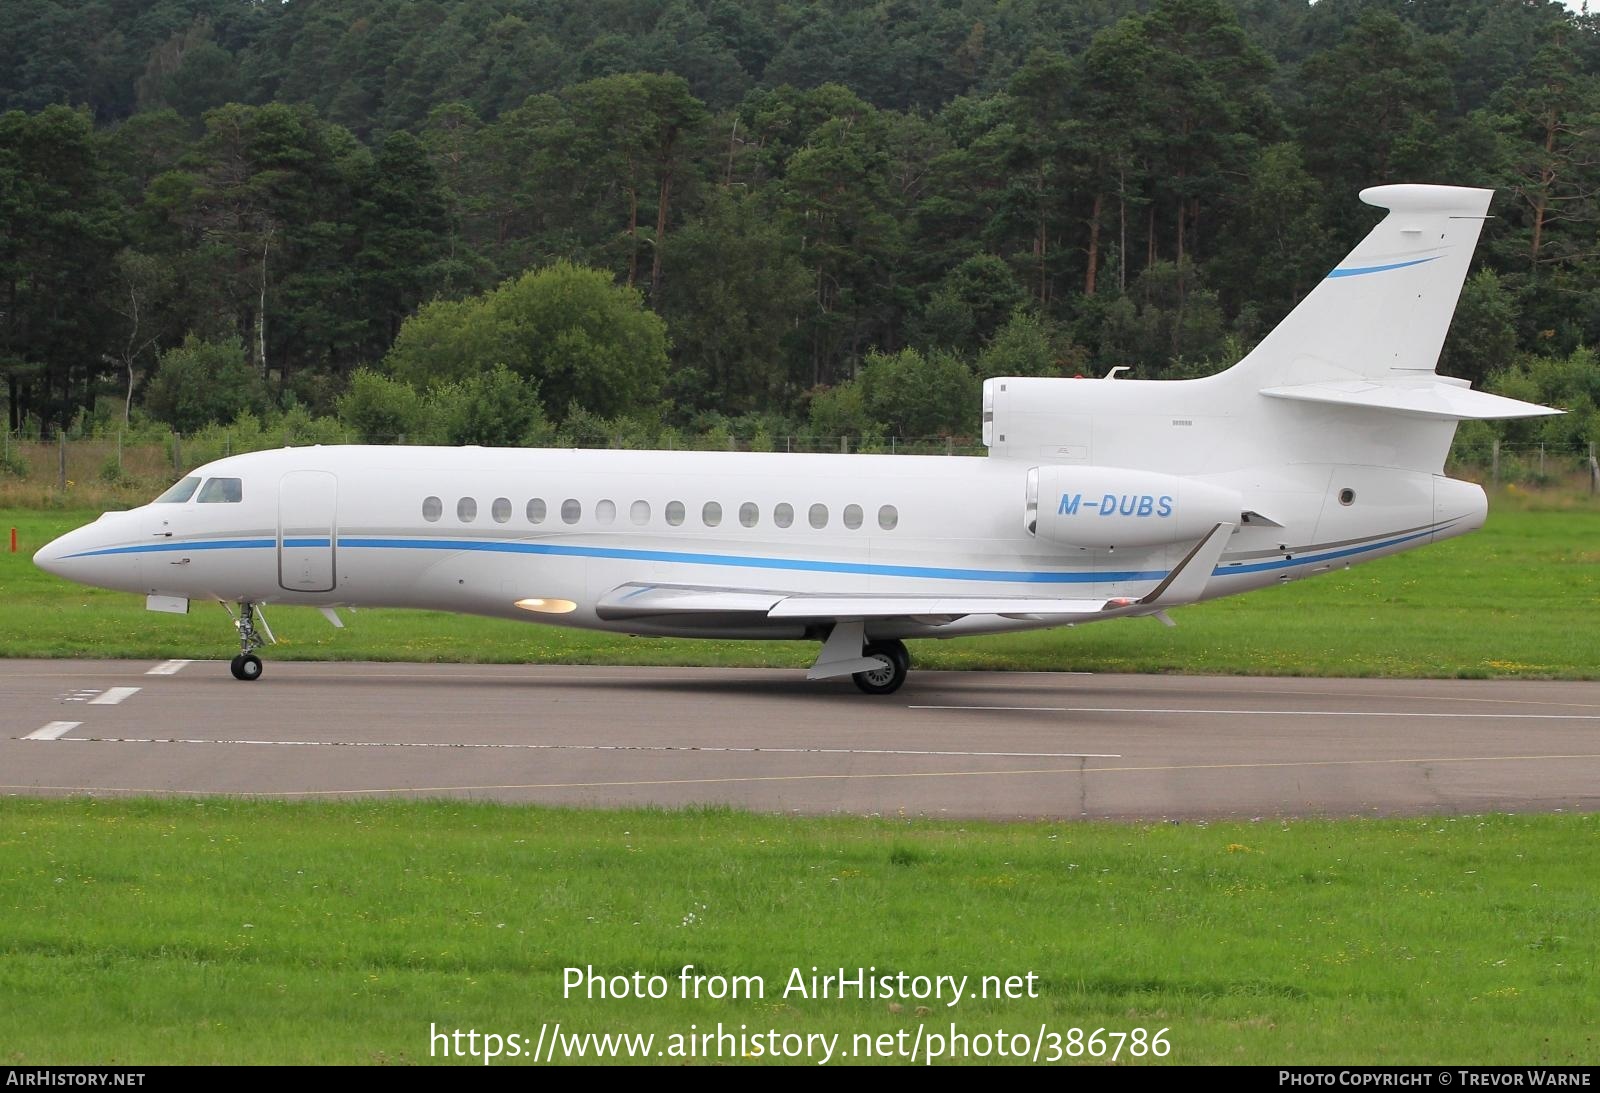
x=307, y=529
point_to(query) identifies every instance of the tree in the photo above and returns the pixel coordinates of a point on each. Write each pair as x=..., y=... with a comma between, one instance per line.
x=59, y=228
x=917, y=395
x=1030, y=346
x=1274, y=248
x=570, y=329
x=1371, y=109
x=732, y=305
x=143, y=285
x=380, y=409
x=631, y=132
x=1040, y=163
x=835, y=196
x=496, y=408
x=190, y=73
x=1549, y=122
x=200, y=383
x=402, y=235
x=969, y=304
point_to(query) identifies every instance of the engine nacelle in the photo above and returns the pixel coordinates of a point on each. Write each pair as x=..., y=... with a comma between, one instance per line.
x=1112, y=507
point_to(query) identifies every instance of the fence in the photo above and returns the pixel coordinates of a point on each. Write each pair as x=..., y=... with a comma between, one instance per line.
x=114, y=461
x=64, y=464
x=1533, y=465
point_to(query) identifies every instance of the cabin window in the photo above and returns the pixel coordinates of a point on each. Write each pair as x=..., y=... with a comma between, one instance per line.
x=852, y=516
x=888, y=517
x=432, y=509
x=536, y=511
x=711, y=514
x=674, y=513
x=571, y=510
x=818, y=516
x=467, y=509
x=605, y=512
x=178, y=493
x=501, y=510
x=749, y=514
x=1346, y=497
x=783, y=515
x=221, y=491
x=640, y=513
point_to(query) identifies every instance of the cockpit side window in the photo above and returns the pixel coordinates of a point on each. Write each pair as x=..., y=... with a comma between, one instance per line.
x=221, y=491
x=179, y=493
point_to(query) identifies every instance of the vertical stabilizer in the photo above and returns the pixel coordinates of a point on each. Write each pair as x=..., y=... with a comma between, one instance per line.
x=1383, y=312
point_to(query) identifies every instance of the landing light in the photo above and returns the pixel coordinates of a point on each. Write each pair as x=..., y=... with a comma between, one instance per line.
x=548, y=607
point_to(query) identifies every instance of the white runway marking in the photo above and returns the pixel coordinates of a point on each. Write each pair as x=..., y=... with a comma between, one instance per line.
x=168, y=668
x=1275, y=713
x=847, y=777
x=113, y=696
x=53, y=731
x=604, y=747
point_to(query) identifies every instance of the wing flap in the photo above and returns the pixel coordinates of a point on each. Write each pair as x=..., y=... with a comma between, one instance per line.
x=927, y=607
x=643, y=601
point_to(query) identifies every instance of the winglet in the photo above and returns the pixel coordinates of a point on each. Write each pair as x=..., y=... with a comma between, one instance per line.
x=1187, y=581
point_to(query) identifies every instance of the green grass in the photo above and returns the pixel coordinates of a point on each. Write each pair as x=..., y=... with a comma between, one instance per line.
x=1516, y=599
x=140, y=931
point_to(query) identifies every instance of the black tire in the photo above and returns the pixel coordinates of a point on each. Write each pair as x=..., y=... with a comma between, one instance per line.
x=246, y=667
x=885, y=680
x=898, y=650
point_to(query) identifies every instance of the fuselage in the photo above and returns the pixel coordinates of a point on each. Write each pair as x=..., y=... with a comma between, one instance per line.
x=484, y=530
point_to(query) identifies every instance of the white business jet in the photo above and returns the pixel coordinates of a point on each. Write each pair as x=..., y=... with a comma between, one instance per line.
x=1099, y=498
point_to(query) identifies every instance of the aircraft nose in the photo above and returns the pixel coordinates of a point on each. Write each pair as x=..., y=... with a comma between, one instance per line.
x=49, y=556
x=89, y=555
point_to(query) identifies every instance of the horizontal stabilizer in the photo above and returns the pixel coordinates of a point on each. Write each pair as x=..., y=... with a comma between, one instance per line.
x=1435, y=397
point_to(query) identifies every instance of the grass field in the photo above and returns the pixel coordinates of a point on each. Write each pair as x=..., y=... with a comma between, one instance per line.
x=229, y=931
x=1516, y=599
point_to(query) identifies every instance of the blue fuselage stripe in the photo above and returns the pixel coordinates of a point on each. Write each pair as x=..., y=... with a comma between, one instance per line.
x=188, y=544
x=739, y=561
x=1285, y=563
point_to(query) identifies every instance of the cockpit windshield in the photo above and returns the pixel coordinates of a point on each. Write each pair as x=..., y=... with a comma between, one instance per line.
x=179, y=493
x=221, y=490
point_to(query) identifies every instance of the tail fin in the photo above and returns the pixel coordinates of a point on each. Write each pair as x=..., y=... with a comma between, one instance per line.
x=1370, y=334
x=1385, y=309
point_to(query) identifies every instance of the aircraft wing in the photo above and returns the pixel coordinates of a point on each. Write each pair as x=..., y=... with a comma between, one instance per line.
x=1184, y=584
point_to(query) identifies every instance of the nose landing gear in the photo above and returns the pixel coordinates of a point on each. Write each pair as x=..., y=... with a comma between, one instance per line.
x=247, y=666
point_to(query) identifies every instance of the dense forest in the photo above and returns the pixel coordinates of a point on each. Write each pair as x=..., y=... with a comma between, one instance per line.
x=481, y=220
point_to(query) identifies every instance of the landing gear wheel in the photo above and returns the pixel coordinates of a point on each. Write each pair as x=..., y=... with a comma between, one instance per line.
x=247, y=666
x=886, y=680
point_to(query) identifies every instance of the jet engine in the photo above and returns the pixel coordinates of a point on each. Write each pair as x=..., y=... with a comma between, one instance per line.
x=1113, y=507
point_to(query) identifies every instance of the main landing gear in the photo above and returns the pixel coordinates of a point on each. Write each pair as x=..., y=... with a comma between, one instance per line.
x=895, y=663
x=878, y=667
x=247, y=666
